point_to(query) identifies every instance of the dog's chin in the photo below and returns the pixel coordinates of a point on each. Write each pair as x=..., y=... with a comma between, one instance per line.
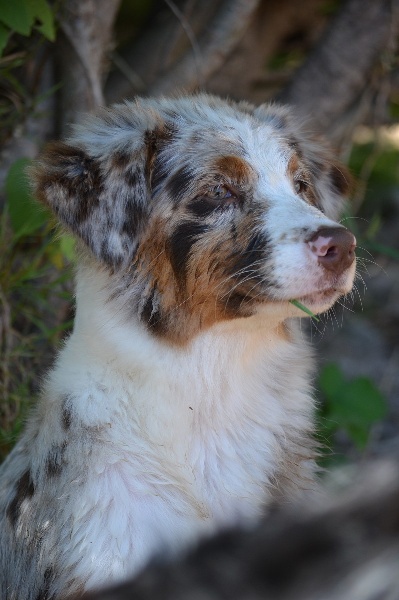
x=321, y=301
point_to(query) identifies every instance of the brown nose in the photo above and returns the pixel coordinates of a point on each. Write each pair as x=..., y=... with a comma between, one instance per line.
x=334, y=247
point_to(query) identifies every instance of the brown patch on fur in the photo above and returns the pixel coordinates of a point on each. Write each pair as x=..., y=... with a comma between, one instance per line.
x=153, y=267
x=220, y=275
x=235, y=168
x=293, y=166
x=283, y=332
x=25, y=490
x=294, y=172
x=195, y=276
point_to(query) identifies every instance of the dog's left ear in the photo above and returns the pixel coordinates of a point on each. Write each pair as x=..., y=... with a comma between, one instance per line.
x=102, y=197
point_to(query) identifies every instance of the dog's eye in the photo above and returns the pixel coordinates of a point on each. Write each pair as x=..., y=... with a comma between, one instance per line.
x=220, y=192
x=222, y=196
x=300, y=186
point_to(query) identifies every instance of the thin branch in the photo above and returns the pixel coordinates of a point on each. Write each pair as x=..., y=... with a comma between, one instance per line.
x=190, y=35
x=222, y=35
x=87, y=27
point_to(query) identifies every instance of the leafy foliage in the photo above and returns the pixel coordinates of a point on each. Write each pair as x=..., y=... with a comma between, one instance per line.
x=24, y=27
x=21, y=16
x=349, y=406
x=34, y=291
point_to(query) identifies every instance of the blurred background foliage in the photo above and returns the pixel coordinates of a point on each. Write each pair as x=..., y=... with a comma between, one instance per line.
x=51, y=68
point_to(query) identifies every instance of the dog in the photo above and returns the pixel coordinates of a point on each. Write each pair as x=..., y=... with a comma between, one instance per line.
x=181, y=404
x=348, y=547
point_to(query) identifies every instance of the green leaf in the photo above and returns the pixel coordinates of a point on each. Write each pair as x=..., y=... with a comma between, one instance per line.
x=358, y=435
x=41, y=11
x=353, y=406
x=364, y=404
x=16, y=15
x=304, y=308
x=331, y=381
x=4, y=35
x=21, y=16
x=25, y=214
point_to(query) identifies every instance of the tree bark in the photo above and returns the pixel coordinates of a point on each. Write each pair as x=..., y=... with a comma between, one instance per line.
x=330, y=87
x=86, y=35
x=215, y=44
x=183, y=47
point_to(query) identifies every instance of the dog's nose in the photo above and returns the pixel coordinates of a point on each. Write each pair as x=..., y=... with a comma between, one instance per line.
x=334, y=248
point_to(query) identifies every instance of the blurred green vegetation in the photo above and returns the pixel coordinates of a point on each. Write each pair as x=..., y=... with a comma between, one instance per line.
x=348, y=406
x=35, y=292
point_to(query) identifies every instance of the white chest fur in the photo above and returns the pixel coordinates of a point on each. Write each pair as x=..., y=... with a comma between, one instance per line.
x=177, y=441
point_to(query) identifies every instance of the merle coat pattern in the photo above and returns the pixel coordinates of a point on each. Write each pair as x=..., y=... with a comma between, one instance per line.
x=181, y=403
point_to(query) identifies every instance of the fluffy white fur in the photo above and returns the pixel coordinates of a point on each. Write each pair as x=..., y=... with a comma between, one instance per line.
x=141, y=444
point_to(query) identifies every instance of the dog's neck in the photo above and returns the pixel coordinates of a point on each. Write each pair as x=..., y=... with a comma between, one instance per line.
x=112, y=334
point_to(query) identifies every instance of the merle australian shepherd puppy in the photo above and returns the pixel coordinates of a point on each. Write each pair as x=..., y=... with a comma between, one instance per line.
x=181, y=403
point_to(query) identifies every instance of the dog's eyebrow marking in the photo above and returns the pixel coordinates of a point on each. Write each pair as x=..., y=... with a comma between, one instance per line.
x=24, y=491
x=234, y=168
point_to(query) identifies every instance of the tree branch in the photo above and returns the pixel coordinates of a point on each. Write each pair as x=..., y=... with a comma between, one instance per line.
x=226, y=29
x=192, y=44
x=337, y=72
x=87, y=27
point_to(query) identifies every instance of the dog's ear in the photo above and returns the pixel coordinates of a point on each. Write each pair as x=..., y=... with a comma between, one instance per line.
x=100, y=194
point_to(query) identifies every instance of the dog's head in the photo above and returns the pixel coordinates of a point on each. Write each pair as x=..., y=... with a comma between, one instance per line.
x=203, y=210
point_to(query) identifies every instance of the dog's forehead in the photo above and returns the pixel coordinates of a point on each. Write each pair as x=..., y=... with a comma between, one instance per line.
x=261, y=144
